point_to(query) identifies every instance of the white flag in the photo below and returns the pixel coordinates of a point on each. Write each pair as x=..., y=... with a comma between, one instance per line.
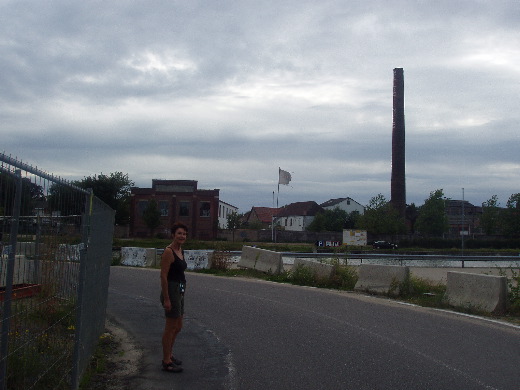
x=284, y=177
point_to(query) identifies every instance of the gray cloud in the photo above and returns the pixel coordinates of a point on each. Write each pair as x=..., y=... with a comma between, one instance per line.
x=227, y=92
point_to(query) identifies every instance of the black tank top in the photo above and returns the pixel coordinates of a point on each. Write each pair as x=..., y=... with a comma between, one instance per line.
x=176, y=271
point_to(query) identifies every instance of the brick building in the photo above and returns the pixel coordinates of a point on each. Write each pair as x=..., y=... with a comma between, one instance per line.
x=178, y=201
x=462, y=217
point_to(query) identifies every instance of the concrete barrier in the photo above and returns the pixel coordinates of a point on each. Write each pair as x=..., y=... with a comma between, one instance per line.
x=138, y=257
x=261, y=260
x=382, y=279
x=28, y=248
x=22, y=271
x=482, y=292
x=197, y=259
x=321, y=270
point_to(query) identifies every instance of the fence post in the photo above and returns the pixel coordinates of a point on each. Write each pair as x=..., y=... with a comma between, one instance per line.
x=6, y=316
x=77, y=356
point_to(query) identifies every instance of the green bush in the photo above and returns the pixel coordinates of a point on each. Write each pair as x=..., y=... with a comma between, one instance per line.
x=344, y=277
x=303, y=276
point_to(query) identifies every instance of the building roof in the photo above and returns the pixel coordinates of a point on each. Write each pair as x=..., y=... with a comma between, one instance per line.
x=310, y=208
x=263, y=214
x=227, y=204
x=334, y=202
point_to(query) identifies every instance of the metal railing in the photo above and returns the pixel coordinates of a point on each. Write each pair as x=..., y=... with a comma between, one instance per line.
x=55, y=256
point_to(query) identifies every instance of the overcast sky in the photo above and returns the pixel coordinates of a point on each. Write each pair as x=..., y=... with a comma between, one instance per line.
x=226, y=92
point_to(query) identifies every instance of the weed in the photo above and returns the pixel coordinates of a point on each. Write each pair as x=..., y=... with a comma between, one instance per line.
x=220, y=259
x=41, y=342
x=303, y=276
x=513, y=285
x=344, y=277
x=426, y=293
x=99, y=361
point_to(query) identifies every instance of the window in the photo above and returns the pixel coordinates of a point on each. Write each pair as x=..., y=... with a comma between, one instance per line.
x=184, y=209
x=205, y=208
x=141, y=206
x=163, y=207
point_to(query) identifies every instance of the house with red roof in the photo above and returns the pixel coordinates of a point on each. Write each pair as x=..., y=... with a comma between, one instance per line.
x=262, y=216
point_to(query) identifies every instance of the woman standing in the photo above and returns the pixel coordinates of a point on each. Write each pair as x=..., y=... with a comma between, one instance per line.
x=173, y=284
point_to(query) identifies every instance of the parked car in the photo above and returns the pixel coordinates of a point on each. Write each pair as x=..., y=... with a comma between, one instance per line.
x=383, y=245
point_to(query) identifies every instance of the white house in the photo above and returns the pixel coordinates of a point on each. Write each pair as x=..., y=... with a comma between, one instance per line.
x=224, y=209
x=297, y=216
x=347, y=204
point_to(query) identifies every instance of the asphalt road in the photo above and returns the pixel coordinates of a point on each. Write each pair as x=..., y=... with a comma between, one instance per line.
x=250, y=334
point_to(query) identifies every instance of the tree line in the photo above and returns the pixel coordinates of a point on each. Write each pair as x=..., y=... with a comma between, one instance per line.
x=380, y=217
x=113, y=189
x=430, y=219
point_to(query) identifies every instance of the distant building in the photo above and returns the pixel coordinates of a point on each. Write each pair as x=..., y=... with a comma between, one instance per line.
x=260, y=216
x=461, y=218
x=297, y=216
x=178, y=201
x=347, y=204
x=224, y=209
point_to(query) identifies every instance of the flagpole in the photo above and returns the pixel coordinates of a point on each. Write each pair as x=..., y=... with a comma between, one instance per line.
x=272, y=223
x=278, y=187
x=277, y=196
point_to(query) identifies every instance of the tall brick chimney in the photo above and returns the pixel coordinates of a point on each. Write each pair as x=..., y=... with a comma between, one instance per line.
x=398, y=190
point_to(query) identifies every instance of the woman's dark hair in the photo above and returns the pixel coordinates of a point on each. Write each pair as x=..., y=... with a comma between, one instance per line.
x=178, y=225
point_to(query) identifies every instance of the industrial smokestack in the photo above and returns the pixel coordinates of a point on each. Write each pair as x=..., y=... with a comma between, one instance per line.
x=398, y=190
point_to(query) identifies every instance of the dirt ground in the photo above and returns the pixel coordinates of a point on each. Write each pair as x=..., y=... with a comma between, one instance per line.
x=122, y=360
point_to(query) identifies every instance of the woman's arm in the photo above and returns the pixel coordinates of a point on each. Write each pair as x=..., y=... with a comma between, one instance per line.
x=166, y=260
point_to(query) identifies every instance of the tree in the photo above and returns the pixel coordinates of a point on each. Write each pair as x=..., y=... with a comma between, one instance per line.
x=511, y=218
x=152, y=215
x=381, y=217
x=31, y=193
x=432, y=219
x=412, y=213
x=352, y=219
x=490, y=218
x=114, y=190
x=332, y=221
x=317, y=224
x=66, y=200
x=234, y=220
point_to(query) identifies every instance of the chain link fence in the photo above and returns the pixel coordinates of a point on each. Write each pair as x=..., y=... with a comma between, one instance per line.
x=55, y=256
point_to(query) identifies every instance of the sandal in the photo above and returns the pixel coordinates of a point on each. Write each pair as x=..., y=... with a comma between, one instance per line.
x=177, y=362
x=171, y=367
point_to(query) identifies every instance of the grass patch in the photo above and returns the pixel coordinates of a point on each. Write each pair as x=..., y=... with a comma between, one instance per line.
x=343, y=278
x=41, y=343
x=423, y=292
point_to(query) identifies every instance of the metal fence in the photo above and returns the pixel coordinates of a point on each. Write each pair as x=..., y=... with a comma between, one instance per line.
x=55, y=256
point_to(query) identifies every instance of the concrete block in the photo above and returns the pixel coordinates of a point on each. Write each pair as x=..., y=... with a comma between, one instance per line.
x=482, y=292
x=138, y=257
x=21, y=270
x=197, y=259
x=67, y=252
x=321, y=270
x=382, y=279
x=261, y=260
